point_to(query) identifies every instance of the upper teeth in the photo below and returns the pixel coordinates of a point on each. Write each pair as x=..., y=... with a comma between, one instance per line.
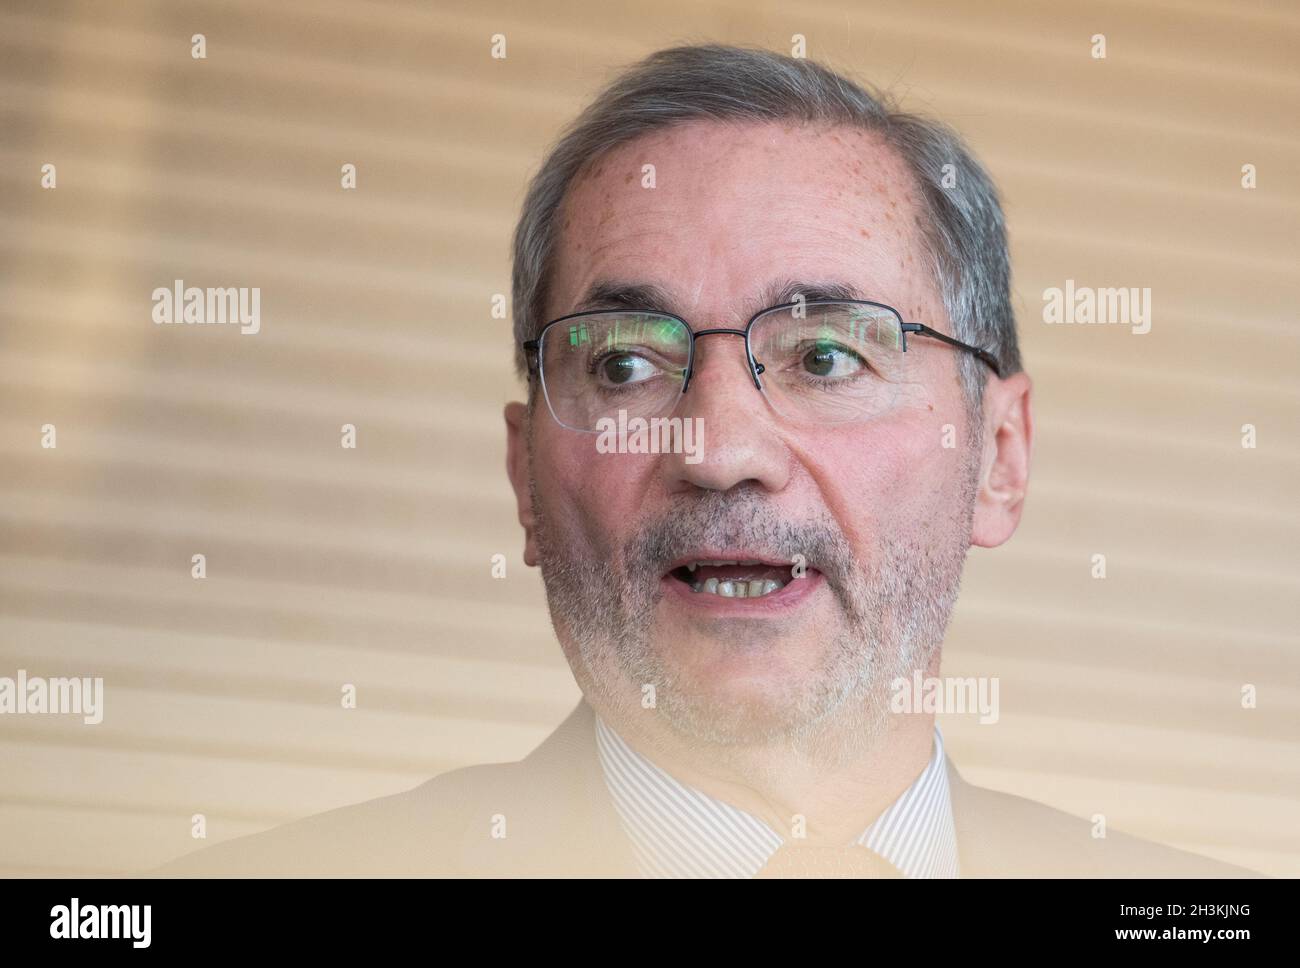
x=695, y=564
x=738, y=588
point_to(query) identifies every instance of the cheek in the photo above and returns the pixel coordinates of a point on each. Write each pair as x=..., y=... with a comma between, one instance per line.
x=883, y=479
x=585, y=492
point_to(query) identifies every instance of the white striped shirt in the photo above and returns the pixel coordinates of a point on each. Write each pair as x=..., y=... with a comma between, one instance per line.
x=679, y=831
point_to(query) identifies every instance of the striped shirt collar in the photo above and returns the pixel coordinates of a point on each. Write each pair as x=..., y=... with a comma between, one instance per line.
x=679, y=831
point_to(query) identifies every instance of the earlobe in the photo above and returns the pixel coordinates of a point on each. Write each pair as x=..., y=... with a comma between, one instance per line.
x=520, y=474
x=1004, y=477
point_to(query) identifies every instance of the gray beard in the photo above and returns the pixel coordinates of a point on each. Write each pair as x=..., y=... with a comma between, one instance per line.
x=894, y=618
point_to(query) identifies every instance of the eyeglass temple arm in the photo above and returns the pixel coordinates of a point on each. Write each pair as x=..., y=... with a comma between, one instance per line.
x=925, y=330
x=531, y=347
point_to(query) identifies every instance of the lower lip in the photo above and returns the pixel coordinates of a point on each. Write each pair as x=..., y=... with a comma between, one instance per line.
x=793, y=594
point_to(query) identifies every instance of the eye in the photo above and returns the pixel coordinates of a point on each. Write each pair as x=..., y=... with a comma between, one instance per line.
x=832, y=360
x=620, y=369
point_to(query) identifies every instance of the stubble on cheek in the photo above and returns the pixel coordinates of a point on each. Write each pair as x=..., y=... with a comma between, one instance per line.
x=598, y=616
x=887, y=605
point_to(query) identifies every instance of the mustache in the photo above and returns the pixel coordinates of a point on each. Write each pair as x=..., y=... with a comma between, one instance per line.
x=738, y=519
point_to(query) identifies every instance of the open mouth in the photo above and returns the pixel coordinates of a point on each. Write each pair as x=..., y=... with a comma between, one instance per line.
x=734, y=578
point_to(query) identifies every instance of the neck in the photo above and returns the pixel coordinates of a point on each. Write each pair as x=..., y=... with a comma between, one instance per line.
x=779, y=783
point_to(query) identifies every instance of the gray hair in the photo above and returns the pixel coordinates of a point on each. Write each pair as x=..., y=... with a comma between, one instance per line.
x=964, y=230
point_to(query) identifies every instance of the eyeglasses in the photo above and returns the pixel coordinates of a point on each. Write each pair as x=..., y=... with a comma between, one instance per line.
x=825, y=361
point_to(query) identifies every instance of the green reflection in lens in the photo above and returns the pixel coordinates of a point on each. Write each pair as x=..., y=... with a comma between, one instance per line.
x=668, y=330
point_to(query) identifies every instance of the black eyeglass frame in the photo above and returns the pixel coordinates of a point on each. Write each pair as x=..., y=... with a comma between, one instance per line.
x=532, y=348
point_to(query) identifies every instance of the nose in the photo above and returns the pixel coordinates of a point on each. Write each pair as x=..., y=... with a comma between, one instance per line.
x=739, y=442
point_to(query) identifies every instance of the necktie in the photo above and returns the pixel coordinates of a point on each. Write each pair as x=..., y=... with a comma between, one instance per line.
x=802, y=860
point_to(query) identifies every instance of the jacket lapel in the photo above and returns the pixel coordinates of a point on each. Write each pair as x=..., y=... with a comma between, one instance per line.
x=560, y=820
x=1000, y=835
x=558, y=814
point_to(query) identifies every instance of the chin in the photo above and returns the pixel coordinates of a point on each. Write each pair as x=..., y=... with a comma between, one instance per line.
x=735, y=694
x=732, y=664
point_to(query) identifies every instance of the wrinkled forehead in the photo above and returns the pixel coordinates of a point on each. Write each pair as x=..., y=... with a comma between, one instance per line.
x=715, y=213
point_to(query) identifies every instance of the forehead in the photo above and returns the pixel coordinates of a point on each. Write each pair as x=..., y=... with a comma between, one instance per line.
x=717, y=214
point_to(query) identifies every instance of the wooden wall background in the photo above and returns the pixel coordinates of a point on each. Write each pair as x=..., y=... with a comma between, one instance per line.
x=371, y=566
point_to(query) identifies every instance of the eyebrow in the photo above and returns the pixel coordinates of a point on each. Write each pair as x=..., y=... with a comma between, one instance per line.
x=648, y=297
x=786, y=292
x=624, y=295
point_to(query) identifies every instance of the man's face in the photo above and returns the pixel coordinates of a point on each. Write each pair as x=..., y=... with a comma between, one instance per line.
x=879, y=509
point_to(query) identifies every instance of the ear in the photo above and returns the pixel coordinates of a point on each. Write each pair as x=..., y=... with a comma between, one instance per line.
x=1004, y=464
x=517, y=467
